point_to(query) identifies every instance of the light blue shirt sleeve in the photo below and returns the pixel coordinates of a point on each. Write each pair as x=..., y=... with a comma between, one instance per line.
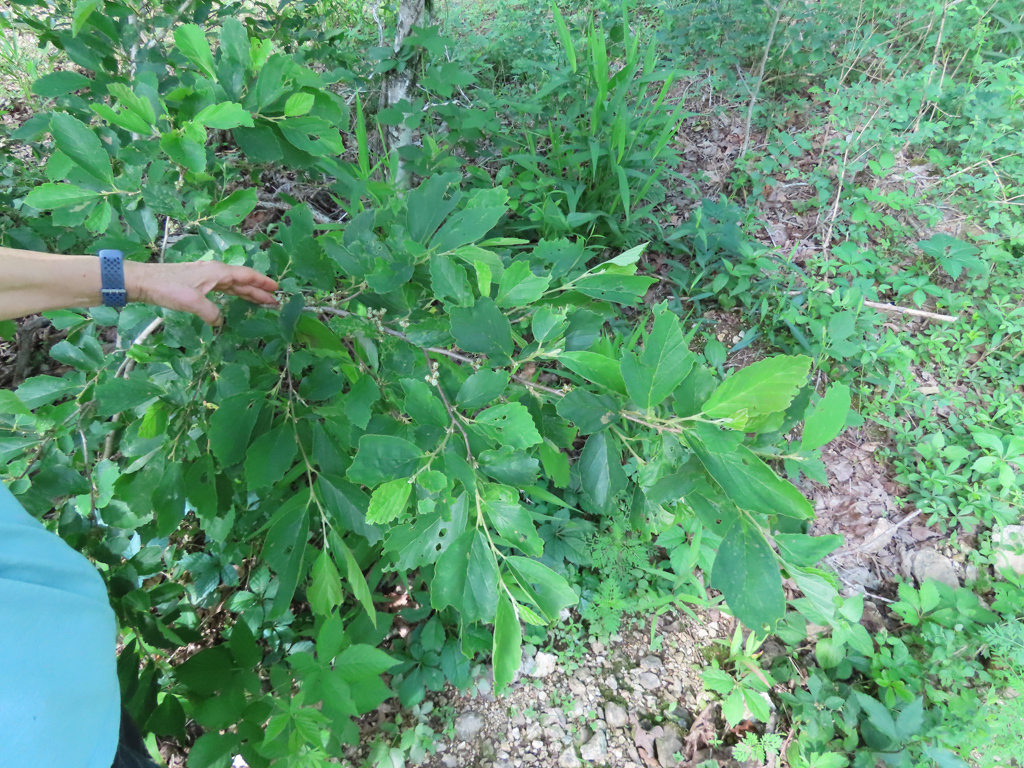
x=59, y=697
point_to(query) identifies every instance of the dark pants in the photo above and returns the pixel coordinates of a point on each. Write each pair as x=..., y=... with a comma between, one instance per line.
x=131, y=750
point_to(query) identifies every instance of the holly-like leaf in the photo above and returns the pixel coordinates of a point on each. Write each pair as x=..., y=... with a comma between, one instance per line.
x=483, y=329
x=747, y=574
x=767, y=386
x=589, y=412
x=450, y=281
x=510, y=424
x=383, y=457
x=466, y=578
x=519, y=287
x=827, y=419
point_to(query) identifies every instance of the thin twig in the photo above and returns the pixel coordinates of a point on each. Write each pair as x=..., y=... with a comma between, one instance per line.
x=760, y=77
x=451, y=411
x=122, y=373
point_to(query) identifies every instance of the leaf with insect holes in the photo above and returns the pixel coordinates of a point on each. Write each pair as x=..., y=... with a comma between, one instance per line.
x=510, y=424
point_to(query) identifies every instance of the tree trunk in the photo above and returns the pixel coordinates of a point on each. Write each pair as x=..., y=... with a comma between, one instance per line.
x=399, y=85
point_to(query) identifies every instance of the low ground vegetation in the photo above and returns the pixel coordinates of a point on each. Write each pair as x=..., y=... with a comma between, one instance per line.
x=583, y=372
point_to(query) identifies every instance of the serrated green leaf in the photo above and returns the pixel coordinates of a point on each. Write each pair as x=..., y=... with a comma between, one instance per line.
x=325, y=593
x=549, y=591
x=117, y=395
x=83, y=10
x=507, y=652
x=766, y=386
x=466, y=578
x=519, y=287
x=515, y=524
x=827, y=419
x=482, y=329
x=601, y=472
x=510, y=424
x=664, y=363
x=298, y=104
x=589, y=412
x=801, y=549
x=77, y=140
x=360, y=663
x=356, y=579
x=383, y=457
x=48, y=197
x=60, y=84
x=450, y=281
x=225, y=115
x=231, y=426
x=270, y=456
x=596, y=368
x=744, y=478
x=482, y=388
x=388, y=501
x=618, y=289
x=284, y=550
x=230, y=211
x=747, y=574
x=191, y=41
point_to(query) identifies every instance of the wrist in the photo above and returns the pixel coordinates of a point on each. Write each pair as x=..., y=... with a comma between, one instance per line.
x=135, y=281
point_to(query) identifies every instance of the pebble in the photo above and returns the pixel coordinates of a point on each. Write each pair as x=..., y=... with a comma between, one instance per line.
x=595, y=749
x=468, y=725
x=1008, y=544
x=611, y=682
x=615, y=715
x=649, y=680
x=651, y=663
x=449, y=761
x=929, y=564
x=568, y=759
x=668, y=744
x=545, y=664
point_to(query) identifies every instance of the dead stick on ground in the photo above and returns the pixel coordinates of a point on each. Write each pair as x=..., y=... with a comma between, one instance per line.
x=760, y=78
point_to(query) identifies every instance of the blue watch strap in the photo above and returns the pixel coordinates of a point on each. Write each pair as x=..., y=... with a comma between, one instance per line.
x=112, y=279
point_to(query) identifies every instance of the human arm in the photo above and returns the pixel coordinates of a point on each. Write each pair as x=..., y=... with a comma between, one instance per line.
x=32, y=282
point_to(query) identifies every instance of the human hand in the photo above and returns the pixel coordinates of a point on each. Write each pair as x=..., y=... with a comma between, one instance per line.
x=185, y=286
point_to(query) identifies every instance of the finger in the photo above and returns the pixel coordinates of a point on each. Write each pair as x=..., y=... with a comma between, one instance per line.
x=207, y=311
x=239, y=276
x=253, y=294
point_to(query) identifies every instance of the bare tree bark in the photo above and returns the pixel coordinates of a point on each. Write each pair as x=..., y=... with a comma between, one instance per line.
x=399, y=85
